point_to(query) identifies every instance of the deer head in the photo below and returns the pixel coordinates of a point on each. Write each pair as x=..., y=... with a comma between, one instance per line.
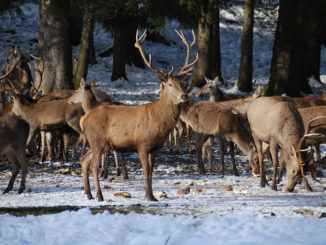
x=173, y=85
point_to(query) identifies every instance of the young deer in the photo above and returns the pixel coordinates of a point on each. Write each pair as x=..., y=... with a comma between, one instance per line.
x=143, y=128
x=212, y=119
x=216, y=95
x=13, y=136
x=48, y=115
x=86, y=97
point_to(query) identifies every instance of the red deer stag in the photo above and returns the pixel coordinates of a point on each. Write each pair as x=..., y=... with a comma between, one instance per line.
x=13, y=136
x=143, y=128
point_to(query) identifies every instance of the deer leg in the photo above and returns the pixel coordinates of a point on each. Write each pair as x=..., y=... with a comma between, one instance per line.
x=180, y=133
x=234, y=167
x=65, y=145
x=176, y=135
x=316, y=146
x=200, y=140
x=282, y=166
x=258, y=144
x=86, y=162
x=22, y=160
x=42, y=146
x=104, y=165
x=84, y=141
x=170, y=141
x=189, y=138
x=207, y=148
x=125, y=171
x=29, y=143
x=95, y=165
x=12, y=158
x=116, y=161
x=76, y=145
x=143, y=155
x=48, y=137
x=220, y=143
x=273, y=150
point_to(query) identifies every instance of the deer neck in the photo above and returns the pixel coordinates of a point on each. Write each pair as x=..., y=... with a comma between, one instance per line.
x=243, y=140
x=21, y=109
x=89, y=101
x=168, y=107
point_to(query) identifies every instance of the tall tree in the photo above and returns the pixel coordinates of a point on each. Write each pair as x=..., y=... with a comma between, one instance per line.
x=85, y=49
x=208, y=43
x=245, y=70
x=54, y=45
x=297, y=43
x=123, y=17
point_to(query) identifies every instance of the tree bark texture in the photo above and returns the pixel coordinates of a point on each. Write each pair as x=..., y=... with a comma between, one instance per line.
x=296, y=51
x=55, y=46
x=124, y=51
x=208, y=44
x=245, y=70
x=82, y=65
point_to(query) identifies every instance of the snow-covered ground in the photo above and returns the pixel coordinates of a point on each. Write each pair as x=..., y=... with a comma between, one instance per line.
x=247, y=214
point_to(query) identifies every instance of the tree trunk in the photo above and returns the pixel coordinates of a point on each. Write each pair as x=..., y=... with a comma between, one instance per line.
x=208, y=44
x=82, y=65
x=296, y=51
x=55, y=46
x=313, y=38
x=124, y=51
x=245, y=70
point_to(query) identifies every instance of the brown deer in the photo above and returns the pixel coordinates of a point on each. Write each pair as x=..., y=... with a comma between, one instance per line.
x=234, y=101
x=61, y=94
x=212, y=119
x=307, y=101
x=215, y=93
x=86, y=97
x=19, y=77
x=143, y=128
x=13, y=136
x=48, y=115
x=278, y=123
x=64, y=94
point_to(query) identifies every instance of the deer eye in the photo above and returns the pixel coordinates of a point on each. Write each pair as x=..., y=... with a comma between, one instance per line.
x=170, y=84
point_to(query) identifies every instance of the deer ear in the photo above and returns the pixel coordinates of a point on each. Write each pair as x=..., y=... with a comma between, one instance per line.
x=162, y=77
x=216, y=79
x=82, y=83
x=92, y=82
x=185, y=79
x=12, y=95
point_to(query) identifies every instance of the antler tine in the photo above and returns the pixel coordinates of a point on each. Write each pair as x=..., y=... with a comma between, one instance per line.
x=3, y=53
x=139, y=46
x=12, y=65
x=184, y=71
x=40, y=71
x=186, y=65
x=308, y=128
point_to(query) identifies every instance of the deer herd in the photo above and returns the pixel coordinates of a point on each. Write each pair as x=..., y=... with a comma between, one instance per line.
x=278, y=127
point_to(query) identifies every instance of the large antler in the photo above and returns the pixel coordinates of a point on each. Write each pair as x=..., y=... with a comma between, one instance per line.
x=187, y=67
x=37, y=69
x=9, y=67
x=299, y=150
x=148, y=62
